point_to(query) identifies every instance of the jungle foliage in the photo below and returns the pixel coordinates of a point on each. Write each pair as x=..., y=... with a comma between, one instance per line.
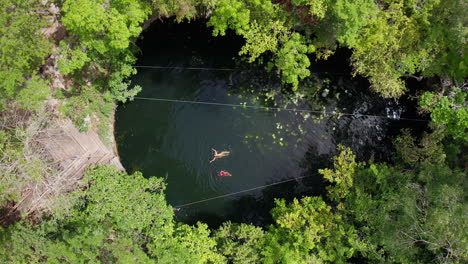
x=412, y=211
x=23, y=48
x=450, y=110
x=98, y=56
x=373, y=213
x=119, y=218
x=390, y=39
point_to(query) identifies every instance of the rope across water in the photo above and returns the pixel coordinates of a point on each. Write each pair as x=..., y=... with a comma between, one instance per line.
x=274, y=108
x=243, y=191
x=251, y=106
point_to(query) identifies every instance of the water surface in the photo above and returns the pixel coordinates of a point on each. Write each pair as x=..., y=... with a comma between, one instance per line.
x=174, y=139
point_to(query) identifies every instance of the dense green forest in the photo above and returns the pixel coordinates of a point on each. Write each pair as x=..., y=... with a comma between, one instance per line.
x=411, y=210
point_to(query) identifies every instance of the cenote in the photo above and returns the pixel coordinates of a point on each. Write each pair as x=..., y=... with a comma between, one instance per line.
x=174, y=139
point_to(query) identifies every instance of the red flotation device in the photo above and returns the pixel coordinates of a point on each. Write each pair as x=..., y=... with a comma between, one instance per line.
x=224, y=174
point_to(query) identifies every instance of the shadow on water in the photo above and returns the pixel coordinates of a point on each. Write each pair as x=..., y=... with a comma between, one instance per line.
x=174, y=140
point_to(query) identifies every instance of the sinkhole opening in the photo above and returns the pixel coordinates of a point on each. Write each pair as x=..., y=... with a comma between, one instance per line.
x=199, y=95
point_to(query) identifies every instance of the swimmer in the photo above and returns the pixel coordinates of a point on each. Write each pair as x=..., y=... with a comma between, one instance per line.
x=219, y=155
x=224, y=173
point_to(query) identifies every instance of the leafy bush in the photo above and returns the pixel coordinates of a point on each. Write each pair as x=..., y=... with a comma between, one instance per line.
x=451, y=111
x=23, y=49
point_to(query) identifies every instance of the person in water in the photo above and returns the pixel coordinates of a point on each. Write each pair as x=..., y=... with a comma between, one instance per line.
x=219, y=155
x=224, y=173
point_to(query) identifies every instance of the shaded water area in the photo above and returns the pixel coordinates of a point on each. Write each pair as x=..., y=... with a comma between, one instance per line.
x=174, y=139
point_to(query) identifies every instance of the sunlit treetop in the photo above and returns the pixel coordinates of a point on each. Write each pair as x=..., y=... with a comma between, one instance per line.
x=23, y=48
x=390, y=39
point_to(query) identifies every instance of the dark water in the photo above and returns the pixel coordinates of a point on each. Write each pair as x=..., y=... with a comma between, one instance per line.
x=174, y=139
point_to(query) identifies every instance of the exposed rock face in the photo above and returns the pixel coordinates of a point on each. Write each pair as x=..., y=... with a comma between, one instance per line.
x=56, y=31
x=65, y=152
x=73, y=152
x=51, y=70
x=149, y=22
x=53, y=9
x=67, y=144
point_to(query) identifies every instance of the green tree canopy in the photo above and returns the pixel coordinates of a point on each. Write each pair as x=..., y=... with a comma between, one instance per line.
x=23, y=48
x=389, y=39
x=117, y=219
x=415, y=217
x=450, y=111
x=308, y=231
x=240, y=243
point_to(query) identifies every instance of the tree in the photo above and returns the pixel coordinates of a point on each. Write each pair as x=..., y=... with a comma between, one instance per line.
x=390, y=39
x=395, y=38
x=345, y=167
x=182, y=9
x=106, y=223
x=445, y=32
x=23, y=49
x=266, y=28
x=292, y=61
x=119, y=218
x=240, y=243
x=450, y=111
x=344, y=21
x=414, y=217
x=131, y=203
x=187, y=244
x=429, y=150
x=389, y=46
x=21, y=243
x=98, y=55
x=308, y=231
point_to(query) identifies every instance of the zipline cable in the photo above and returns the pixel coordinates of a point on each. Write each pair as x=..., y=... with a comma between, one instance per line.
x=234, y=193
x=250, y=106
x=262, y=107
x=272, y=108
x=182, y=68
